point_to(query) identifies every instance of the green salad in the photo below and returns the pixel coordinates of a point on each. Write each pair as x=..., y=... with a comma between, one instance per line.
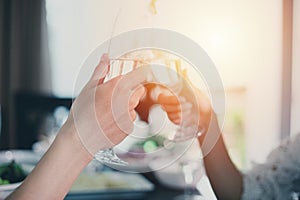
x=11, y=173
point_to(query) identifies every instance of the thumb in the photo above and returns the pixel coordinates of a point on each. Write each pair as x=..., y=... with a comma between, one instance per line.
x=101, y=70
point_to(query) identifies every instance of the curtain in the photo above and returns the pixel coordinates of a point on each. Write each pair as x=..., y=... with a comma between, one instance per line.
x=24, y=63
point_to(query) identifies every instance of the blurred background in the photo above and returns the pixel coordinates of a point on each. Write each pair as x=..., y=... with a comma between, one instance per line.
x=253, y=43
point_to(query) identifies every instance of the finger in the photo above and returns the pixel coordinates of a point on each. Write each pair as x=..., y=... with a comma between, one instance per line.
x=133, y=104
x=132, y=114
x=171, y=108
x=174, y=117
x=139, y=92
x=179, y=114
x=166, y=99
x=176, y=121
x=137, y=95
x=114, y=81
x=136, y=77
x=101, y=70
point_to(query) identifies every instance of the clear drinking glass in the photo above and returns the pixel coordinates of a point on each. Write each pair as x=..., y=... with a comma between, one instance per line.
x=172, y=79
x=118, y=66
x=108, y=156
x=189, y=167
x=176, y=83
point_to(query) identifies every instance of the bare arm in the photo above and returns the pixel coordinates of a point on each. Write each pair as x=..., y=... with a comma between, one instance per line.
x=91, y=126
x=226, y=180
x=57, y=170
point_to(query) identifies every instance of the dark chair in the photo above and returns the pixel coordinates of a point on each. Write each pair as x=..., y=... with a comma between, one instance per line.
x=30, y=112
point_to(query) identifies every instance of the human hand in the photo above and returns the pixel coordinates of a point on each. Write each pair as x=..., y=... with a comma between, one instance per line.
x=103, y=113
x=191, y=108
x=101, y=116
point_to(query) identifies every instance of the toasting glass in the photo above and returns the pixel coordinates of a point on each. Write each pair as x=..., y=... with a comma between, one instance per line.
x=118, y=66
x=172, y=79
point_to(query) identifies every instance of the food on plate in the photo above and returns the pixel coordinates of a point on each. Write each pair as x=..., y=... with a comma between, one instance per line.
x=11, y=173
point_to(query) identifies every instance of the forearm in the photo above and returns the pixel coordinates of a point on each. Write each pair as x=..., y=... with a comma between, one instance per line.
x=57, y=170
x=226, y=180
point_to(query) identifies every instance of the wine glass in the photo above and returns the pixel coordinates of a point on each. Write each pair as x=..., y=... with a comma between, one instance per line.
x=118, y=66
x=172, y=80
x=189, y=168
x=176, y=82
x=108, y=156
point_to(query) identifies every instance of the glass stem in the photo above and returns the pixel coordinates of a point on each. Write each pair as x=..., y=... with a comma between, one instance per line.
x=188, y=178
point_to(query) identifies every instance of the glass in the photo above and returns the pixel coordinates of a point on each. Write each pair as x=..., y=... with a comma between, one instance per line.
x=117, y=67
x=108, y=156
x=189, y=168
x=170, y=76
x=174, y=78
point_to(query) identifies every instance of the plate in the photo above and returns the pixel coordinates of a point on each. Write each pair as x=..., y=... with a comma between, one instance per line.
x=9, y=187
x=109, y=185
x=26, y=158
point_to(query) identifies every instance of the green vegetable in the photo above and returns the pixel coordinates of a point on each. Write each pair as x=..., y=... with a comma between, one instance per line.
x=11, y=173
x=150, y=146
x=3, y=182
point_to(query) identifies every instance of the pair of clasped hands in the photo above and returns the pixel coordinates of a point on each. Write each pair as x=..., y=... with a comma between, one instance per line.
x=106, y=111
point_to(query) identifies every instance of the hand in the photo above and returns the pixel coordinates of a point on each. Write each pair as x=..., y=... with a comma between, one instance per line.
x=103, y=113
x=101, y=116
x=192, y=104
x=145, y=105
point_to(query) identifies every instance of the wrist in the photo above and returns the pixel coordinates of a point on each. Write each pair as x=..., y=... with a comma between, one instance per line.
x=69, y=137
x=57, y=169
x=209, y=127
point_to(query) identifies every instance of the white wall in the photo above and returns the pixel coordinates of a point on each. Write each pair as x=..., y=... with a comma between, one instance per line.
x=242, y=37
x=295, y=118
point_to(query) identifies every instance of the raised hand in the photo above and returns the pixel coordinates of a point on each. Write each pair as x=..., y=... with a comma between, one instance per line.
x=103, y=113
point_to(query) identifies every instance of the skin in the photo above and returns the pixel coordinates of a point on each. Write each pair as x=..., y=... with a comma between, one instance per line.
x=54, y=175
x=226, y=180
x=59, y=168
